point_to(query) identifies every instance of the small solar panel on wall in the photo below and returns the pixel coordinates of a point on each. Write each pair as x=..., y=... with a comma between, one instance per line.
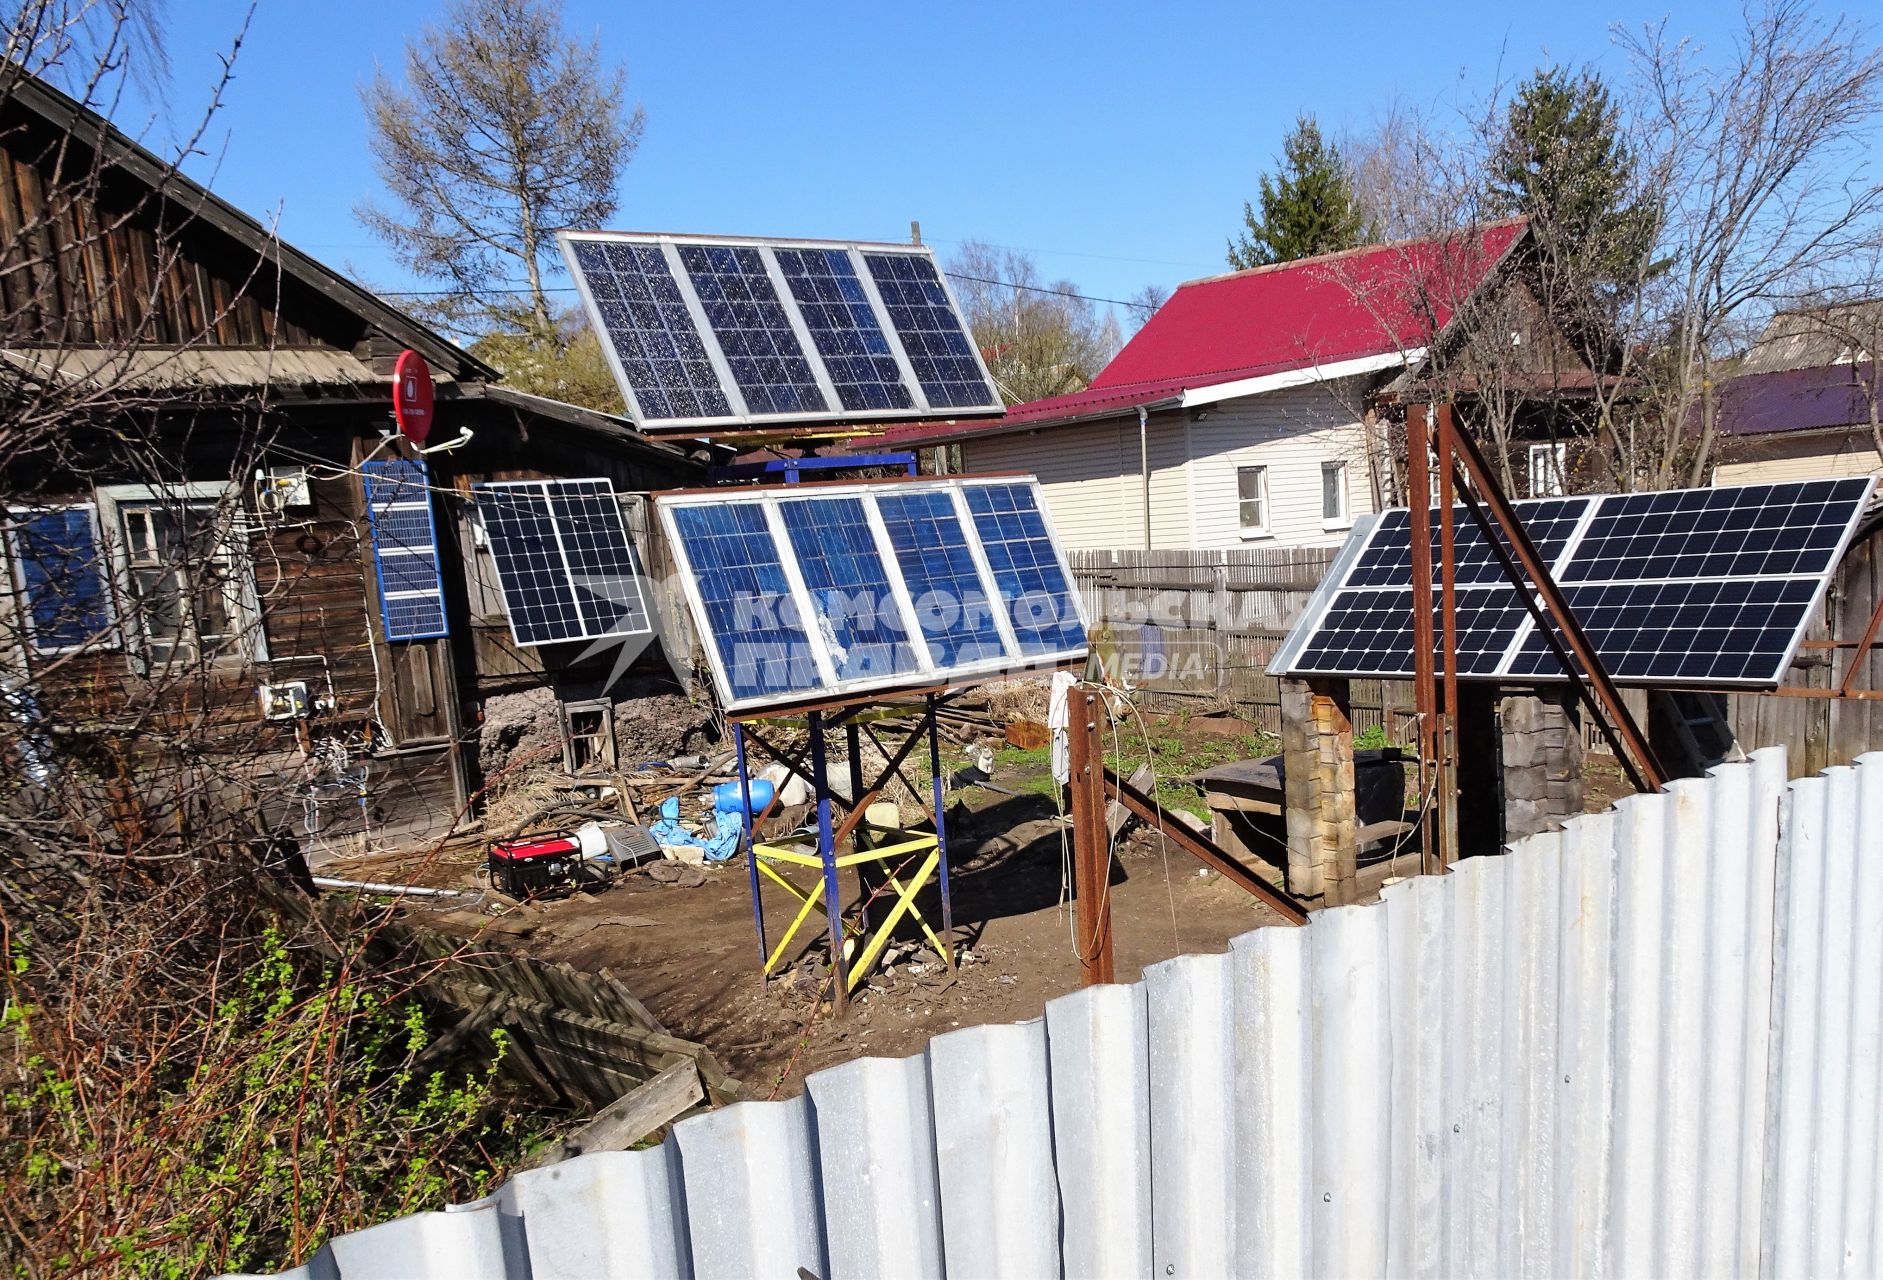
x=405, y=550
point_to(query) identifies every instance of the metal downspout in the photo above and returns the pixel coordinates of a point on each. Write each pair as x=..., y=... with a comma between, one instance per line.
x=1144, y=467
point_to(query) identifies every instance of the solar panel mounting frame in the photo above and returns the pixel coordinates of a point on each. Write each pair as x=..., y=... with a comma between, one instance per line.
x=1288, y=655
x=831, y=689
x=544, y=486
x=741, y=418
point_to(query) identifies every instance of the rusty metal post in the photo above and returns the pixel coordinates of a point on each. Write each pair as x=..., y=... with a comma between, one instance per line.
x=1448, y=744
x=1521, y=558
x=1424, y=685
x=1091, y=840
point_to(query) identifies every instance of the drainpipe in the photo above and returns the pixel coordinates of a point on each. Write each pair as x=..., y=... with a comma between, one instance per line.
x=1144, y=466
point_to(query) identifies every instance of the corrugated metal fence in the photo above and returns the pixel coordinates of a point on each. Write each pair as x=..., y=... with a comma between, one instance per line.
x=1649, y=1044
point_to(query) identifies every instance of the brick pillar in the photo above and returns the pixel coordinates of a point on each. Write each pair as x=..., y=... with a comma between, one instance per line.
x=1317, y=761
x=1542, y=761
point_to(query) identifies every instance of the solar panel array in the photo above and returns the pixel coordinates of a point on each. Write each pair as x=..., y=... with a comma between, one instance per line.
x=405, y=549
x=564, y=560
x=705, y=331
x=1704, y=587
x=837, y=590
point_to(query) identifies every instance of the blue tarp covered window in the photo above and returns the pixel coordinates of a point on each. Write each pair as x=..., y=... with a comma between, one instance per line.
x=65, y=597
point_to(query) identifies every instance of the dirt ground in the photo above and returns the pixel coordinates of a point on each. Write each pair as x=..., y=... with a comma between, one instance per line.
x=691, y=953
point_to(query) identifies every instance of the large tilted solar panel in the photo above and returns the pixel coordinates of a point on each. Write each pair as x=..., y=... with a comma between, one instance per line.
x=707, y=331
x=405, y=549
x=564, y=560
x=818, y=591
x=1703, y=587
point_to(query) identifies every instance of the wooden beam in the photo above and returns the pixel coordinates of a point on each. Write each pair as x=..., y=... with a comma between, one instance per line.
x=632, y=1116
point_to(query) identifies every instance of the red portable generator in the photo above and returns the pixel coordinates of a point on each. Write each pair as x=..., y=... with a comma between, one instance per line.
x=524, y=868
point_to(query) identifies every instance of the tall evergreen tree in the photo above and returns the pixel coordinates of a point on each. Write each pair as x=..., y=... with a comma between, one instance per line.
x=1564, y=162
x=1308, y=207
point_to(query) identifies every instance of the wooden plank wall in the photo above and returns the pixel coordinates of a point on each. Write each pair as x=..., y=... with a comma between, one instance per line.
x=1217, y=619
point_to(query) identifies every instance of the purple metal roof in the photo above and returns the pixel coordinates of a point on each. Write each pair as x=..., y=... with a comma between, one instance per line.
x=1832, y=395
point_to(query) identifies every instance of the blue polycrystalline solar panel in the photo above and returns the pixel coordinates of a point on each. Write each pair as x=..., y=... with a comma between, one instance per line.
x=564, y=560
x=754, y=333
x=951, y=606
x=1026, y=567
x=846, y=590
x=642, y=315
x=756, y=634
x=405, y=549
x=931, y=331
x=844, y=328
x=62, y=577
x=856, y=607
x=1708, y=587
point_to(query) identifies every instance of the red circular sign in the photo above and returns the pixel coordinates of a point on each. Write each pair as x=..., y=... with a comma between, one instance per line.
x=412, y=396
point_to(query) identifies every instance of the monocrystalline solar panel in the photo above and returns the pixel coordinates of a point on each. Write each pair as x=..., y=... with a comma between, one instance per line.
x=847, y=589
x=405, y=549
x=945, y=362
x=564, y=560
x=714, y=331
x=753, y=330
x=844, y=328
x=644, y=320
x=1708, y=587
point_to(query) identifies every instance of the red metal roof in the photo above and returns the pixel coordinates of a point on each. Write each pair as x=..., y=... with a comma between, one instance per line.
x=1295, y=315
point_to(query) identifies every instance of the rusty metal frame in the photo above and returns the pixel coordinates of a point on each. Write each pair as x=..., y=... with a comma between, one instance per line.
x=1527, y=573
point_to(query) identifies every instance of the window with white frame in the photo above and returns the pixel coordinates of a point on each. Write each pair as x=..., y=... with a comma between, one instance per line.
x=1252, y=499
x=1547, y=463
x=1334, y=494
x=185, y=573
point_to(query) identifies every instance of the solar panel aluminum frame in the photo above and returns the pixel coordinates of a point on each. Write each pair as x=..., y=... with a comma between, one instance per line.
x=544, y=486
x=741, y=417
x=1284, y=664
x=928, y=675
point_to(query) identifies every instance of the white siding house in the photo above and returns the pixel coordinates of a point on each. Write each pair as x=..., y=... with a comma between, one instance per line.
x=1288, y=468
x=1238, y=416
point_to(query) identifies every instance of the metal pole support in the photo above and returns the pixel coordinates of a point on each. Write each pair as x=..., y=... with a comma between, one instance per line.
x=1091, y=841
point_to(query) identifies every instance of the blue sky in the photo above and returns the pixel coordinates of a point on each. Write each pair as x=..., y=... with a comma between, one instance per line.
x=1116, y=142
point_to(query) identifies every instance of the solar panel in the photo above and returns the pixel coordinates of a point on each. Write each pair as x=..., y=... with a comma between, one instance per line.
x=753, y=330
x=405, y=549
x=945, y=361
x=564, y=560
x=61, y=577
x=1707, y=587
x=661, y=363
x=840, y=590
x=708, y=331
x=843, y=327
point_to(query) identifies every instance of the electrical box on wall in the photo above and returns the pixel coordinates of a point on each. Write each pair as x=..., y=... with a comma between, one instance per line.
x=284, y=701
x=282, y=488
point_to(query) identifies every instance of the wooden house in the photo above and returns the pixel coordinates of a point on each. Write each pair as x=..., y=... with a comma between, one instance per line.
x=188, y=405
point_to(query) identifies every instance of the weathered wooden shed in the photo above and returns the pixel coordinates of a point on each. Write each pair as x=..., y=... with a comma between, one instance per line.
x=188, y=402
